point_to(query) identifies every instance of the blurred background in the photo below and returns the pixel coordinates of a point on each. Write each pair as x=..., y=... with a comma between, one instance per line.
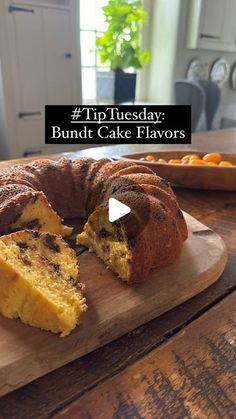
x=112, y=52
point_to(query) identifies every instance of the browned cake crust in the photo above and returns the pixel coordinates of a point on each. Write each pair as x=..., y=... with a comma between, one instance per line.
x=13, y=199
x=76, y=189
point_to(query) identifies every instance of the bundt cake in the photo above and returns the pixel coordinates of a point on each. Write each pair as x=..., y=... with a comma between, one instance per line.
x=39, y=281
x=130, y=255
x=23, y=208
x=151, y=235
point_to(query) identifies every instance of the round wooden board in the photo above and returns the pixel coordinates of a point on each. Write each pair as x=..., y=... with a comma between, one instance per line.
x=114, y=308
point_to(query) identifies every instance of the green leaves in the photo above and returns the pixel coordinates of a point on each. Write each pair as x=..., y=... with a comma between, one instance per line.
x=120, y=44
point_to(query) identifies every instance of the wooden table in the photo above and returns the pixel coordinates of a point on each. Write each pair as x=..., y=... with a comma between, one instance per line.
x=182, y=364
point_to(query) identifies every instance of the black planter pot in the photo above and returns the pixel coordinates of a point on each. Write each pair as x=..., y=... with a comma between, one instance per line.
x=116, y=86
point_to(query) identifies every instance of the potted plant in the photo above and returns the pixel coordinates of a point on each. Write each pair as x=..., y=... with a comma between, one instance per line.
x=119, y=46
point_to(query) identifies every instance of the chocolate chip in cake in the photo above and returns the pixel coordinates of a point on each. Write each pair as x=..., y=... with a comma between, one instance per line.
x=25, y=260
x=51, y=243
x=73, y=281
x=36, y=234
x=104, y=233
x=45, y=259
x=23, y=245
x=33, y=224
x=56, y=267
x=114, y=189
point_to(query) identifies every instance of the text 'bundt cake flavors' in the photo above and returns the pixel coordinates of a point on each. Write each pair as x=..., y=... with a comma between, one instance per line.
x=39, y=281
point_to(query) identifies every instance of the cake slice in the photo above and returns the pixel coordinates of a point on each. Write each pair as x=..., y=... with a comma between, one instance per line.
x=39, y=281
x=109, y=241
x=23, y=208
x=39, y=215
x=124, y=245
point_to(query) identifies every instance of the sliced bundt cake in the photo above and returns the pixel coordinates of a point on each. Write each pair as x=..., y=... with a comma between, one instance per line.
x=81, y=188
x=39, y=281
x=137, y=242
x=23, y=208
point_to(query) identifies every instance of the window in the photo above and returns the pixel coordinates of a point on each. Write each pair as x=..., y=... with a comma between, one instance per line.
x=91, y=24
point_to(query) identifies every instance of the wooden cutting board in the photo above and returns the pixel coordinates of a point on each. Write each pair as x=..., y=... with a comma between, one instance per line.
x=114, y=308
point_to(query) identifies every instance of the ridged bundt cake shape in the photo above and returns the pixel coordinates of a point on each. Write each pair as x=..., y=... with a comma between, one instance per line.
x=81, y=188
x=150, y=236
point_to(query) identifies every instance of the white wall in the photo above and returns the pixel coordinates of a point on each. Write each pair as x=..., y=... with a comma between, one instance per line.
x=163, y=44
x=184, y=56
x=170, y=57
x=3, y=144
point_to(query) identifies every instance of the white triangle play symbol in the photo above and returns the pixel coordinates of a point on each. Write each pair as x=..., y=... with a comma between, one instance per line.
x=116, y=209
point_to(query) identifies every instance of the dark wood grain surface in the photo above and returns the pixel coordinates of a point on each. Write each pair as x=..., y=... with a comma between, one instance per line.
x=199, y=385
x=193, y=374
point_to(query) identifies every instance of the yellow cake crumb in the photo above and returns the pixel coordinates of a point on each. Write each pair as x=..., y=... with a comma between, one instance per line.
x=39, y=281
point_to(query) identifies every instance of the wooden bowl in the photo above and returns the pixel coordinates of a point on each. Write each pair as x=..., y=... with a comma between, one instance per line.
x=186, y=176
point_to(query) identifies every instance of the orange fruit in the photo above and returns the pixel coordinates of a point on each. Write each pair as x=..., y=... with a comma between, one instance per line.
x=161, y=161
x=174, y=161
x=190, y=156
x=212, y=157
x=225, y=163
x=185, y=161
x=197, y=161
x=210, y=163
x=149, y=157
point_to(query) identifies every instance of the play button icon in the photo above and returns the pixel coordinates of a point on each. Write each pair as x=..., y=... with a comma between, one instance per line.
x=125, y=202
x=117, y=209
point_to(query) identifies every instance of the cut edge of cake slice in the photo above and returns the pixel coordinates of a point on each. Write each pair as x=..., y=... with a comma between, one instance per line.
x=38, y=214
x=39, y=281
x=109, y=241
